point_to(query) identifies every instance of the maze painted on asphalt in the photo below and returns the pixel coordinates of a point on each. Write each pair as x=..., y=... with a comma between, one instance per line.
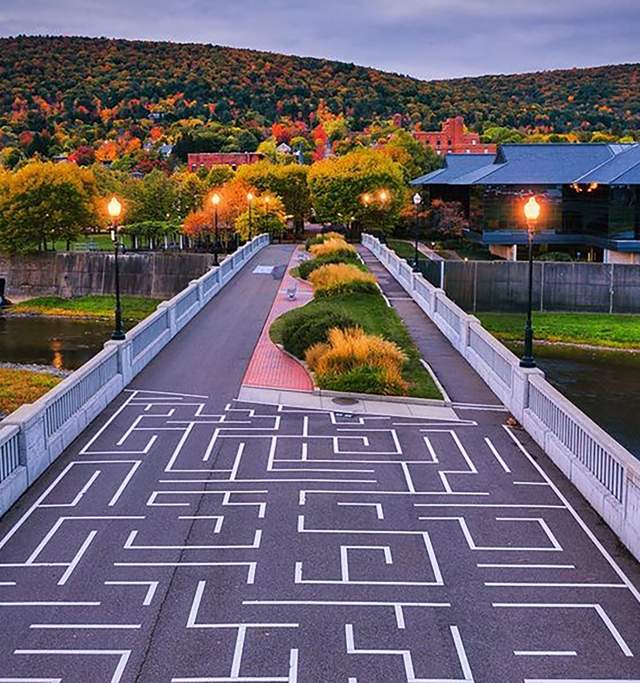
x=261, y=543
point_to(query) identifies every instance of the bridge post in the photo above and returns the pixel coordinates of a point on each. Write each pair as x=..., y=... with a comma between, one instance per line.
x=520, y=390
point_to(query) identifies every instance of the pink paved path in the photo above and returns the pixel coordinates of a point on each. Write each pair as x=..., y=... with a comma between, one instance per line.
x=269, y=366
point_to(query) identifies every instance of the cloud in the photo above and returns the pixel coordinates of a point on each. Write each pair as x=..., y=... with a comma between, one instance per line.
x=424, y=38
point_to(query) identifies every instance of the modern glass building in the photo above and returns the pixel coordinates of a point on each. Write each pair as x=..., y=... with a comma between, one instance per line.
x=590, y=197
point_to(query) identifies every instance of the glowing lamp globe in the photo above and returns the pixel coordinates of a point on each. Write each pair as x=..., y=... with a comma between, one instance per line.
x=532, y=210
x=114, y=208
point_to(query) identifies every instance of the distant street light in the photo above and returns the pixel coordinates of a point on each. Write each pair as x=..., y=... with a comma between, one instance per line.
x=267, y=202
x=114, y=208
x=531, y=214
x=417, y=200
x=250, y=202
x=215, y=200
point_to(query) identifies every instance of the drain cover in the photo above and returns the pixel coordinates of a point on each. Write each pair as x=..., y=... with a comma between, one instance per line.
x=345, y=401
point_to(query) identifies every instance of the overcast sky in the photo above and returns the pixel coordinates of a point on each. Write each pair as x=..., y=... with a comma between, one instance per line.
x=423, y=38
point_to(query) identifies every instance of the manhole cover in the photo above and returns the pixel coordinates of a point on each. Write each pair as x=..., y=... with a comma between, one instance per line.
x=345, y=401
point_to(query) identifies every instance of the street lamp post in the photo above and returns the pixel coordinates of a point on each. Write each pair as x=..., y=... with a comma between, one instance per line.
x=417, y=200
x=114, y=207
x=250, y=202
x=215, y=200
x=531, y=214
x=267, y=201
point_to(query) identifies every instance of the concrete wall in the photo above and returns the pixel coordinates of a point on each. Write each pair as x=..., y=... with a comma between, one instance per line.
x=157, y=275
x=557, y=286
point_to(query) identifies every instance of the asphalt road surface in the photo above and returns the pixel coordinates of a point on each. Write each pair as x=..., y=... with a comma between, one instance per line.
x=188, y=537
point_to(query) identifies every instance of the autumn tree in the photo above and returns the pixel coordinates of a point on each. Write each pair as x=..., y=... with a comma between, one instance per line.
x=365, y=185
x=415, y=158
x=447, y=219
x=45, y=202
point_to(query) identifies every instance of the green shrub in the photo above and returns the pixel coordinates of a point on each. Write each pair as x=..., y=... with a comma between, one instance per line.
x=351, y=287
x=307, y=267
x=555, y=256
x=321, y=238
x=363, y=379
x=307, y=328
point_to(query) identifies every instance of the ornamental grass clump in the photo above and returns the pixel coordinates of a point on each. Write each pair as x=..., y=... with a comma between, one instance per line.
x=323, y=237
x=335, y=245
x=351, y=360
x=341, y=278
x=307, y=267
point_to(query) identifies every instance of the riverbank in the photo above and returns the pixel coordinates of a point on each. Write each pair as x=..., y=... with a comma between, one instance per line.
x=20, y=386
x=90, y=307
x=584, y=330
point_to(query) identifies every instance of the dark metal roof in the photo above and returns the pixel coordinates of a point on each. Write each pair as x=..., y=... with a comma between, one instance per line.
x=454, y=166
x=543, y=164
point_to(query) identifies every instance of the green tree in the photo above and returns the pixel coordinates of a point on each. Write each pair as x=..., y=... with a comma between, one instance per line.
x=154, y=198
x=364, y=185
x=219, y=175
x=415, y=158
x=501, y=135
x=287, y=181
x=190, y=193
x=45, y=202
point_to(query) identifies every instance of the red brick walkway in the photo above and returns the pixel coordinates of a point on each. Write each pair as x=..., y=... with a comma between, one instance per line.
x=269, y=366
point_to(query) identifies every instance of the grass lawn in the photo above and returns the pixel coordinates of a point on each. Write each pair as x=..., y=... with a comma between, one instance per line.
x=18, y=387
x=598, y=329
x=375, y=317
x=404, y=250
x=134, y=308
x=99, y=242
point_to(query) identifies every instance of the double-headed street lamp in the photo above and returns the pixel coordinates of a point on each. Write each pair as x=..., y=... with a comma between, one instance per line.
x=417, y=200
x=531, y=214
x=114, y=208
x=215, y=200
x=250, y=202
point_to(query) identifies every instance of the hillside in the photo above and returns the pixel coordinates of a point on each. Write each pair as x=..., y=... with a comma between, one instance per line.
x=59, y=86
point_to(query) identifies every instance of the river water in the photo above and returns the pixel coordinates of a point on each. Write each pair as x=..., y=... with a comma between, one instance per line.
x=603, y=384
x=63, y=343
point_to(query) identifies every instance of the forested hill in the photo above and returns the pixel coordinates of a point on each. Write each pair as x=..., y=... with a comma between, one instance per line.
x=49, y=83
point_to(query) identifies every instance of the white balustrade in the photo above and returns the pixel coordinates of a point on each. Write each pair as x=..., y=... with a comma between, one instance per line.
x=606, y=474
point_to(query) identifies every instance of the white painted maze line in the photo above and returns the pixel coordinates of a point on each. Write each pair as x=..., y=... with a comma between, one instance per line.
x=601, y=549
x=600, y=611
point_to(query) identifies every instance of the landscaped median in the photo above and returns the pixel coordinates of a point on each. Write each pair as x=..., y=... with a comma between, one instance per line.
x=348, y=336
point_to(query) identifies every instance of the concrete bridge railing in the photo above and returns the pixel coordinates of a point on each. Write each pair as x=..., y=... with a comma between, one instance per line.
x=606, y=474
x=33, y=436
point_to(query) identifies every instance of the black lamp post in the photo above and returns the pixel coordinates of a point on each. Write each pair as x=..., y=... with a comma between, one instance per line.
x=250, y=202
x=531, y=213
x=115, y=208
x=267, y=212
x=215, y=200
x=417, y=200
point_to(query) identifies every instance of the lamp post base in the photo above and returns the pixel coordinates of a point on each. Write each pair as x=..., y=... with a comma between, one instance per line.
x=527, y=362
x=118, y=335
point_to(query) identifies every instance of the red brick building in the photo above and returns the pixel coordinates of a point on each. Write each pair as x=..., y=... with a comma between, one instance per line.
x=454, y=138
x=233, y=159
